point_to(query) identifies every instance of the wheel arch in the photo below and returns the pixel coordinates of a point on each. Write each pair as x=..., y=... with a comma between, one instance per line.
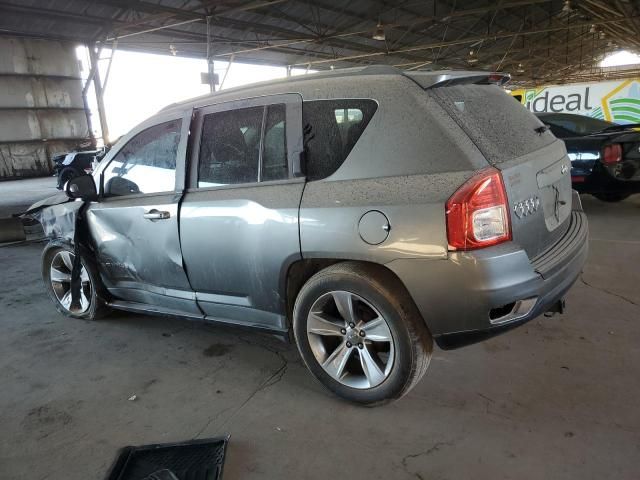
x=300, y=271
x=87, y=256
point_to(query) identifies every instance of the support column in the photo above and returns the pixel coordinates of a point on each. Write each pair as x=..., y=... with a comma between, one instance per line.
x=210, y=66
x=97, y=84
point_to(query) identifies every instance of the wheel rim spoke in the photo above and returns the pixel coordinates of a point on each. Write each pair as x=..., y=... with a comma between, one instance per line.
x=84, y=276
x=84, y=300
x=320, y=325
x=59, y=276
x=377, y=330
x=66, y=300
x=344, y=303
x=372, y=371
x=335, y=363
x=68, y=261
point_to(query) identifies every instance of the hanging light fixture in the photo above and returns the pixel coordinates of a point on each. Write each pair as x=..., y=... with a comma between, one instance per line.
x=520, y=68
x=472, y=58
x=592, y=29
x=379, y=33
x=566, y=8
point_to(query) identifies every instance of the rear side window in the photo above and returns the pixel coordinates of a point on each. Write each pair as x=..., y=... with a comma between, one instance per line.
x=331, y=130
x=501, y=128
x=274, y=155
x=230, y=147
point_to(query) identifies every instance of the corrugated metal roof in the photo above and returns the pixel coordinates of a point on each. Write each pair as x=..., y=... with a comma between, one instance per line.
x=538, y=41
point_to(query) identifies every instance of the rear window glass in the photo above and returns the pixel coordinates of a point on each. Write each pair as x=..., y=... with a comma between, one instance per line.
x=331, y=130
x=576, y=124
x=501, y=128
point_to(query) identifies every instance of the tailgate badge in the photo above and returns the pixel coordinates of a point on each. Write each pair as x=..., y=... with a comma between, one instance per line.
x=526, y=207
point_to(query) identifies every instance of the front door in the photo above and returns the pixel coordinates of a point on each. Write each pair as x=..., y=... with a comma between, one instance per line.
x=239, y=218
x=134, y=226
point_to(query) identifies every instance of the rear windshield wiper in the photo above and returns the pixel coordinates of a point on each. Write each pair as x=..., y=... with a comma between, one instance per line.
x=540, y=130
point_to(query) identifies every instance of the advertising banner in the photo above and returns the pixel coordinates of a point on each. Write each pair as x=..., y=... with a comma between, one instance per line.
x=615, y=101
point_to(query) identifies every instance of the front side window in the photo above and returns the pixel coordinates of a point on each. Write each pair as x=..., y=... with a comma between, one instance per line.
x=332, y=128
x=147, y=163
x=230, y=147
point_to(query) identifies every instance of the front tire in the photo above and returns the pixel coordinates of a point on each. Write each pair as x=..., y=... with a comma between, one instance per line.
x=57, y=264
x=360, y=333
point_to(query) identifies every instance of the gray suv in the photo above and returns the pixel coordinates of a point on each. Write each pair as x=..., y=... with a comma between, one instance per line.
x=365, y=212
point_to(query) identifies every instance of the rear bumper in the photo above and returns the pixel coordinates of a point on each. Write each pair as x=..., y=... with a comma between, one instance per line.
x=475, y=295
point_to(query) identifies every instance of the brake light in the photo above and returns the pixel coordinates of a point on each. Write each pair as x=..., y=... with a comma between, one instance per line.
x=477, y=213
x=612, y=153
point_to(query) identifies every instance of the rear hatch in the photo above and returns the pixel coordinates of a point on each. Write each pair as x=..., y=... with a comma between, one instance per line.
x=534, y=164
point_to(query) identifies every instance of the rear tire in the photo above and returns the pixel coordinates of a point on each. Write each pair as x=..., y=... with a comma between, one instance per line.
x=611, y=197
x=375, y=355
x=57, y=263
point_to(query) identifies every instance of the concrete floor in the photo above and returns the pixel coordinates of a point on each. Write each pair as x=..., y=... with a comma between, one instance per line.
x=557, y=398
x=16, y=196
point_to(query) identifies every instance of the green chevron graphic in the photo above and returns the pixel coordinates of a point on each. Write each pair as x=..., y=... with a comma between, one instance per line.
x=625, y=110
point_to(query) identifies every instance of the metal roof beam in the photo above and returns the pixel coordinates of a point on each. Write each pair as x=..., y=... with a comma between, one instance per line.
x=473, y=39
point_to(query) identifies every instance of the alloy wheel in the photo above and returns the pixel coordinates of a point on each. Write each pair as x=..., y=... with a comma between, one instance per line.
x=350, y=339
x=60, y=277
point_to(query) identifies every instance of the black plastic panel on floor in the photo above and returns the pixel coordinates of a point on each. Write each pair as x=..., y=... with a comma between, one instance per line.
x=193, y=460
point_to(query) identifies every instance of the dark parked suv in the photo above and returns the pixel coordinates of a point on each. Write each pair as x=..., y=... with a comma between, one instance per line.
x=367, y=211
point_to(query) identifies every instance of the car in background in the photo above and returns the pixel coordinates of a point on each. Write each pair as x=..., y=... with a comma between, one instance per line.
x=605, y=156
x=73, y=164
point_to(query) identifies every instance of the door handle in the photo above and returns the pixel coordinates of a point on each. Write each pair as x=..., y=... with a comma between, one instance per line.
x=156, y=215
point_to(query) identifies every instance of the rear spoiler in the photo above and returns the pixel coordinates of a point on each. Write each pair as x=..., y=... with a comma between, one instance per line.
x=429, y=80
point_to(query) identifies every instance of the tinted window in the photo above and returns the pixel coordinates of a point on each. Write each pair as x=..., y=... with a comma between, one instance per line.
x=501, y=128
x=230, y=147
x=560, y=132
x=576, y=124
x=332, y=128
x=274, y=156
x=147, y=163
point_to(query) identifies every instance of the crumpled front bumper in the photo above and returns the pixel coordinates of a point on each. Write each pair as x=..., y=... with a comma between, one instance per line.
x=467, y=297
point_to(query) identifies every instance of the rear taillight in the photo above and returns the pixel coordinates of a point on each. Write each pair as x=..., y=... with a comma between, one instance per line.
x=612, y=153
x=477, y=214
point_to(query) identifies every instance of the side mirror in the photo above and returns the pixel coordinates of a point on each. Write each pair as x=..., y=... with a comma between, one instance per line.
x=81, y=187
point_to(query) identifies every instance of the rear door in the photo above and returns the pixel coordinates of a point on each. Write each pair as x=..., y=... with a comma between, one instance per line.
x=534, y=164
x=239, y=218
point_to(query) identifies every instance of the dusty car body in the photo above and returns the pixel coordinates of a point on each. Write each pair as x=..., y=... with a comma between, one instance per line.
x=605, y=156
x=384, y=209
